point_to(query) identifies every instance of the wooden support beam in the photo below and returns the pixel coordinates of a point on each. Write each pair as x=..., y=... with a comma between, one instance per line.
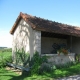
x=19, y=67
x=71, y=43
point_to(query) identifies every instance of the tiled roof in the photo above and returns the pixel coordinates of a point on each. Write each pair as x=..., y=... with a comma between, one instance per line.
x=47, y=25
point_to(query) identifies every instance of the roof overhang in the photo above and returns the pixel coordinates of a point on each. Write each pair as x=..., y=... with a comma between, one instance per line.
x=46, y=25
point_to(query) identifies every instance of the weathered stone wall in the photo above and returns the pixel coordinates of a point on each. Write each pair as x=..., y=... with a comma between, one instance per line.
x=21, y=36
x=37, y=38
x=27, y=38
x=60, y=59
x=20, y=40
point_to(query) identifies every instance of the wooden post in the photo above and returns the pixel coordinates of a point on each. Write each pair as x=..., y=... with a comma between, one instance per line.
x=71, y=43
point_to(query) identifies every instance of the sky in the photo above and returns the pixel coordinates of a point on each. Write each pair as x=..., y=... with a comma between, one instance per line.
x=64, y=11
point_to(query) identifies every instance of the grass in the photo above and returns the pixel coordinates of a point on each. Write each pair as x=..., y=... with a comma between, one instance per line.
x=5, y=57
x=5, y=54
x=6, y=75
x=58, y=73
x=9, y=75
x=64, y=72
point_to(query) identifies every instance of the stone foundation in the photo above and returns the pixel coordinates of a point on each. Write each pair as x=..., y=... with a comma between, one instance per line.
x=60, y=59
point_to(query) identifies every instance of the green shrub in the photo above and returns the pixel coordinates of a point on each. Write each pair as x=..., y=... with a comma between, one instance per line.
x=9, y=59
x=4, y=59
x=2, y=63
x=66, y=65
x=77, y=58
x=54, y=67
x=45, y=67
x=37, y=61
x=21, y=57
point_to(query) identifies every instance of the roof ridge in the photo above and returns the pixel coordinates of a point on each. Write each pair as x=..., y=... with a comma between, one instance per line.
x=43, y=24
x=52, y=21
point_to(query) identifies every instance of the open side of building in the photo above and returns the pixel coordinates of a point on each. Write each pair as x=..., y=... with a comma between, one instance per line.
x=37, y=34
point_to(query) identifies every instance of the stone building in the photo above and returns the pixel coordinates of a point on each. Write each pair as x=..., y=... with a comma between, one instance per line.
x=37, y=34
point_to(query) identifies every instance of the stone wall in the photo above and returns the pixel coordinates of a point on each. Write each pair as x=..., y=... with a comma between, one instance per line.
x=21, y=36
x=20, y=40
x=27, y=38
x=47, y=42
x=37, y=37
x=60, y=59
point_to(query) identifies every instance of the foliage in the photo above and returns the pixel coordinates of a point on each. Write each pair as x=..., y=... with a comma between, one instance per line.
x=66, y=65
x=2, y=63
x=57, y=73
x=22, y=57
x=5, y=57
x=71, y=69
x=63, y=50
x=77, y=57
x=6, y=50
x=10, y=75
x=54, y=67
x=37, y=61
x=48, y=71
x=7, y=74
x=45, y=67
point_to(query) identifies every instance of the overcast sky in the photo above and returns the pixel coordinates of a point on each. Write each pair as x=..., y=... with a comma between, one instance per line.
x=64, y=11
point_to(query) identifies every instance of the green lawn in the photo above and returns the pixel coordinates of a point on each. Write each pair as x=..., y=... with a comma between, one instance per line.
x=58, y=73
x=9, y=75
x=5, y=54
x=5, y=57
x=6, y=75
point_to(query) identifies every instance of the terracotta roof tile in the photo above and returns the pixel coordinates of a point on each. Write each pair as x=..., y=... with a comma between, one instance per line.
x=47, y=25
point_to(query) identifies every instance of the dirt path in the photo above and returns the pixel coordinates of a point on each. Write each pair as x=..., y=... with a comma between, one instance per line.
x=14, y=70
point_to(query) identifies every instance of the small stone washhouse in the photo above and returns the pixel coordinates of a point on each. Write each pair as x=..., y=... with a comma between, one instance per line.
x=37, y=34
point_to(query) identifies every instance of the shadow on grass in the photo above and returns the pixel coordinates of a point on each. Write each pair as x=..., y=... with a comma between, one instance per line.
x=11, y=75
x=65, y=72
x=21, y=77
x=26, y=76
x=58, y=73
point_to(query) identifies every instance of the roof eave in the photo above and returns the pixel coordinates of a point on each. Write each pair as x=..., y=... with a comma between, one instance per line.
x=52, y=31
x=16, y=23
x=21, y=16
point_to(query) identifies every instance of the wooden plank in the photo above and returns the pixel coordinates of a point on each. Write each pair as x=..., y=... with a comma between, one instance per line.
x=19, y=67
